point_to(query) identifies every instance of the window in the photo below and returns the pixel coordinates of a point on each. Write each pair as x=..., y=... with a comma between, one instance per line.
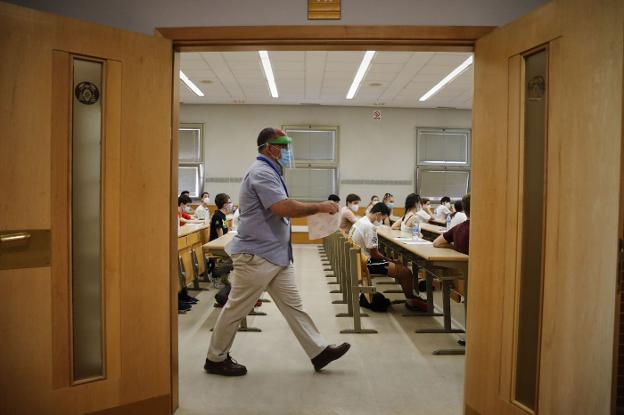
x=315, y=153
x=443, y=147
x=438, y=183
x=191, y=159
x=442, y=162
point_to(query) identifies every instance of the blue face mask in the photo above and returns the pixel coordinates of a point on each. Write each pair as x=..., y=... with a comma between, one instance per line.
x=390, y=205
x=285, y=158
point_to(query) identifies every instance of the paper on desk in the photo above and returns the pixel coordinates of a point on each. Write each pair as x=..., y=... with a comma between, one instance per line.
x=417, y=242
x=322, y=225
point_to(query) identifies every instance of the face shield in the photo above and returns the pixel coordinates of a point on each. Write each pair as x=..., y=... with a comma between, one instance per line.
x=286, y=152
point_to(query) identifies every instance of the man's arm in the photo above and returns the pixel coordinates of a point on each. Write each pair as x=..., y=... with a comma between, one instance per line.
x=289, y=208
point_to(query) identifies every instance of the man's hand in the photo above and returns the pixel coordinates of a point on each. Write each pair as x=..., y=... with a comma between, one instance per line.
x=289, y=208
x=328, y=207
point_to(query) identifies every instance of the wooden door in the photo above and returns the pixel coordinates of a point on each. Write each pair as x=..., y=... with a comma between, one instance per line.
x=85, y=182
x=545, y=209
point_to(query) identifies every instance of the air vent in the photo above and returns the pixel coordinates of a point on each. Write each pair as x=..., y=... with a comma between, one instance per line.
x=375, y=84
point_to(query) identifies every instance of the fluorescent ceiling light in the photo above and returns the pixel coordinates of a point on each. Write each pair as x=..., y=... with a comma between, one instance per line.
x=268, y=72
x=190, y=84
x=359, y=75
x=448, y=78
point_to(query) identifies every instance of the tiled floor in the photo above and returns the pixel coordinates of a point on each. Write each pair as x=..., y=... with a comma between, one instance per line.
x=392, y=372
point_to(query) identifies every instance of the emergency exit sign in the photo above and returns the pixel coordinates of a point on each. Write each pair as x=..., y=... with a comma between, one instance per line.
x=323, y=9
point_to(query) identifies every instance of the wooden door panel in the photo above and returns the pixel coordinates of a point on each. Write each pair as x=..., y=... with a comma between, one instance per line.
x=37, y=48
x=583, y=157
x=584, y=163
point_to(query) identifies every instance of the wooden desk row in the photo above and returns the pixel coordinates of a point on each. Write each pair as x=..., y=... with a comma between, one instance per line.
x=423, y=255
x=191, y=237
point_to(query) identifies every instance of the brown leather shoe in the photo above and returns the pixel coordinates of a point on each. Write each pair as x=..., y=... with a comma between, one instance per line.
x=328, y=355
x=228, y=367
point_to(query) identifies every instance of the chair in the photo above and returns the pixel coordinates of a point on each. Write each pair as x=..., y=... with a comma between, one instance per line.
x=354, y=288
x=196, y=272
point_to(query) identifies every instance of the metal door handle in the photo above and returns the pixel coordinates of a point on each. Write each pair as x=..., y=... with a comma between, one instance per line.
x=14, y=237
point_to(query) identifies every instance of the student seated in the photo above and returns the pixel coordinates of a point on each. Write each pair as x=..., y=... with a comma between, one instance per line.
x=374, y=200
x=185, y=210
x=364, y=233
x=202, y=211
x=458, y=216
x=218, y=228
x=413, y=214
x=348, y=212
x=218, y=223
x=458, y=236
x=426, y=207
x=443, y=210
x=388, y=199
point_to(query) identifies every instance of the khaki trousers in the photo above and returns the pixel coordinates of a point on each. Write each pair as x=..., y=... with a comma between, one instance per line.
x=252, y=275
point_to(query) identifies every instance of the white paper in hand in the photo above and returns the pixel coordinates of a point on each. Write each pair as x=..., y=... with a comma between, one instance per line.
x=322, y=225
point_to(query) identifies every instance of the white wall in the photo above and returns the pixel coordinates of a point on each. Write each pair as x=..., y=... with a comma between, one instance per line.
x=368, y=149
x=146, y=15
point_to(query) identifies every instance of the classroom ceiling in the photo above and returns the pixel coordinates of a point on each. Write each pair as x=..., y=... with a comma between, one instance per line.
x=394, y=79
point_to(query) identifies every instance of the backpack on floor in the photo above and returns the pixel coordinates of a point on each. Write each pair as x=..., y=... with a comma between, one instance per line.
x=379, y=302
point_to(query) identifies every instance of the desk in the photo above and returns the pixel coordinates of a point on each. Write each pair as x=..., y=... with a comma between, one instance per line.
x=426, y=256
x=431, y=231
x=190, y=239
x=437, y=222
x=217, y=246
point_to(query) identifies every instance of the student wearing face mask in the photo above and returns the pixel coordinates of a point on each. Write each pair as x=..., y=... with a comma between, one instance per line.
x=364, y=233
x=457, y=237
x=444, y=209
x=374, y=200
x=218, y=223
x=459, y=216
x=185, y=211
x=388, y=199
x=202, y=211
x=348, y=213
x=425, y=206
x=413, y=214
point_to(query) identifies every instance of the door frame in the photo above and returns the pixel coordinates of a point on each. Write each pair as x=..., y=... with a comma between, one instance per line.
x=297, y=38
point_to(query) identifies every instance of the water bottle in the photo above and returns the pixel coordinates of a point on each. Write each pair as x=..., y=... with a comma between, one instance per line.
x=415, y=231
x=448, y=221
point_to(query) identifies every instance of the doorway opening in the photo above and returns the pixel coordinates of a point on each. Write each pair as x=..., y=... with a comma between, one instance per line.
x=226, y=97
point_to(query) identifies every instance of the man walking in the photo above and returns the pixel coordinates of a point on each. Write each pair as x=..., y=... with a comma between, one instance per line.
x=262, y=257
